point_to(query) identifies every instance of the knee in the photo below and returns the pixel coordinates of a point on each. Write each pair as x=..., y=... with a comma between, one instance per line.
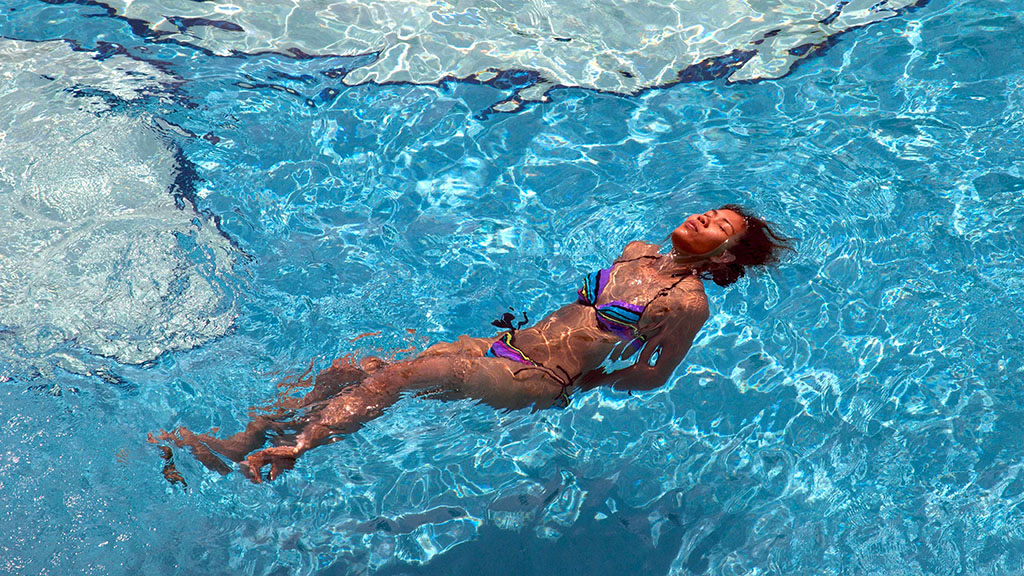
x=313, y=435
x=439, y=349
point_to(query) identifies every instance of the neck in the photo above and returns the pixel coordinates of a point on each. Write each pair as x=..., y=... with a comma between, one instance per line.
x=676, y=263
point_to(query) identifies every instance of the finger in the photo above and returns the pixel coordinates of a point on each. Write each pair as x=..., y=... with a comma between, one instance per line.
x=648, y=350
x=619, y=352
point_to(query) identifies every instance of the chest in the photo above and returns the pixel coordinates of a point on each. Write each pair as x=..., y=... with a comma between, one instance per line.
x=641, y=282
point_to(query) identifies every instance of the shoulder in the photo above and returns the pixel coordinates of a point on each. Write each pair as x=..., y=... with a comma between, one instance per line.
x=685, y=302
x=689, y=295
x=636, y=249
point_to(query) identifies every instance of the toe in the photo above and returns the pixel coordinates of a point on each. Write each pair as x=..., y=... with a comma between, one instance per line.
x=255, y=465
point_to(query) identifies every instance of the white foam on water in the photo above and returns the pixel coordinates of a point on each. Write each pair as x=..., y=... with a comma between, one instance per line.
x=94, y=254
x=620, y=46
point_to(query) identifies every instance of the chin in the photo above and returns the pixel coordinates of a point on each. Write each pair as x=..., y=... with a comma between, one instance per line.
x=680, y=245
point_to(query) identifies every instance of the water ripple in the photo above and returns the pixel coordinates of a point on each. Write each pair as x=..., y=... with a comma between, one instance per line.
x=852, y=411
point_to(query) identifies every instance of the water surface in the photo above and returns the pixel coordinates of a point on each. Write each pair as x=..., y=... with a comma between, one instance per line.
x=184, y=228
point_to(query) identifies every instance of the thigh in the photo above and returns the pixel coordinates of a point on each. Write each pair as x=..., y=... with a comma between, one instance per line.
x=463, y=346
x=332, y=382
x=504, y=383
x=498, y=382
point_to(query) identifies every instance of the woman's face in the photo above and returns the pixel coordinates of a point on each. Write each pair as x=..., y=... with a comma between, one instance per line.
x=702, y=233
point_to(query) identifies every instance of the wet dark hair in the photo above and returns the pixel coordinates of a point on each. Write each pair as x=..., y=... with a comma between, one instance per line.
x=758, y=246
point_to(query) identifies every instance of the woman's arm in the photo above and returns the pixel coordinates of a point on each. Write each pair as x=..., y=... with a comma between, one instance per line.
x=671, y=323
x=638, y=249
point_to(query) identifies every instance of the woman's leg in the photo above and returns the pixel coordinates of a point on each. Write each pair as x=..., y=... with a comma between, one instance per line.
x=234, y=448
x=497, y=382
x=238, y=446
x=279, y=424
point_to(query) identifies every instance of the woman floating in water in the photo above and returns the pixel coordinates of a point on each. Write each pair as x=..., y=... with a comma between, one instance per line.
x=642, y=312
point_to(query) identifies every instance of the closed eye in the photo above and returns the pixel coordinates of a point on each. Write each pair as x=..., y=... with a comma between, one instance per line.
x=731, y=227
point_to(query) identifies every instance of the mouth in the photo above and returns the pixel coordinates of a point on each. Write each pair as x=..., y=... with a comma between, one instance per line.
x=691, y=224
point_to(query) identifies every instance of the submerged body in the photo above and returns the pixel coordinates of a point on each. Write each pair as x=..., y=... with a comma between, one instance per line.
x=630, y=328
x=570, y=350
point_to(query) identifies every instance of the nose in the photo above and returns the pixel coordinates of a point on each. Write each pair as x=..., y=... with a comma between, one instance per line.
x=702, y=219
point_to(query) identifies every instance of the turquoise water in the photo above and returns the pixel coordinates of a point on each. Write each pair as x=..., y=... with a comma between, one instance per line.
x=186, y=223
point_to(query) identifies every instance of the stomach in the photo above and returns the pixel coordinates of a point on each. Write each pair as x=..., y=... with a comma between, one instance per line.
x=568, y=339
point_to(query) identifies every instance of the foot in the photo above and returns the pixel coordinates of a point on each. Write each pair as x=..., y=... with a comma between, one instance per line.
x=226, y=448
x=202, y=452
x=280, y=458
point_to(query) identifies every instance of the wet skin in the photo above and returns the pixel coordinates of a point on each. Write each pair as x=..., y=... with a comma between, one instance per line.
x=568, y=345
x=703, y=233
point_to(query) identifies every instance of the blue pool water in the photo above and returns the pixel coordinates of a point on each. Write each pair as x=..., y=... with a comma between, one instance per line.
x=189, y=221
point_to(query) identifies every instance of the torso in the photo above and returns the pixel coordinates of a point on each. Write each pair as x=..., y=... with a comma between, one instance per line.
x=570, y=341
